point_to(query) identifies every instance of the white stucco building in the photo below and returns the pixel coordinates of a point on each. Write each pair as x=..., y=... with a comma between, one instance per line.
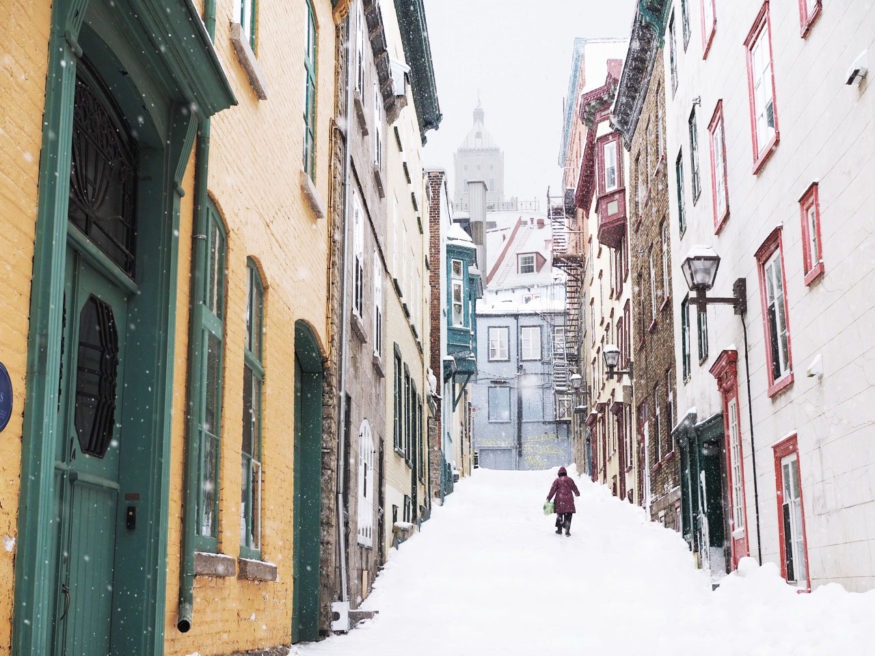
x=771, y=149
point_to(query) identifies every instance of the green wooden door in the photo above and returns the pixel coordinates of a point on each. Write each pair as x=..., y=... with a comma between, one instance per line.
x=307, y=504
x=87, y=461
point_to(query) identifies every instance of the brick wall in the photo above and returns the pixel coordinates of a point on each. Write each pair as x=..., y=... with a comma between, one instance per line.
x=655, y=371
x=22, y=86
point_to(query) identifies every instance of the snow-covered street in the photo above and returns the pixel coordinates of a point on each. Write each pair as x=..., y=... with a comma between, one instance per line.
x=488, y=575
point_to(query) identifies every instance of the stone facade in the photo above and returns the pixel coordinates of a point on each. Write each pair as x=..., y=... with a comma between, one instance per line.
x=650, y=261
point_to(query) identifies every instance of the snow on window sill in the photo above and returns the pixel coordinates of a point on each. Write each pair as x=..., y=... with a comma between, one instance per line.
x=247, y=60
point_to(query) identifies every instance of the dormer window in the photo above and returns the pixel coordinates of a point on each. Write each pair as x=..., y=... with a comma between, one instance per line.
x=525, y=263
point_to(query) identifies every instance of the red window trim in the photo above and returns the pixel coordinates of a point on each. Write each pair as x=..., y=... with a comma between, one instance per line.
x=805, y=20
x=771, y=244
x=762, y=22
x=601, y=142
x=782, y=449
x=708, y=35
x=813, y=270
x=717, y=122
x=725, y=371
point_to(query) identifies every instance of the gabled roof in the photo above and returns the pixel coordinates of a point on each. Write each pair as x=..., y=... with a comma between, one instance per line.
x=526, y=236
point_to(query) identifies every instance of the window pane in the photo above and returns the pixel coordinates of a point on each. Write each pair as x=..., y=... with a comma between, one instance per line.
x=532, y=398
x=499, y=404
x=530, y=343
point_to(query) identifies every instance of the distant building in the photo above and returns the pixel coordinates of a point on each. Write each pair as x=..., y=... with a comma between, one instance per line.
x=478, y=159
x=520, y=420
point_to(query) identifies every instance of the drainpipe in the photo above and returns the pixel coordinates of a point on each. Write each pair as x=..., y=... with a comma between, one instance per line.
x=189, y=519
x=753, y=449
x=344, y=309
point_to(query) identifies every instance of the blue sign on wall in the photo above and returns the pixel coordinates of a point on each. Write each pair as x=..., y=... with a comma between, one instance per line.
x=5, y=397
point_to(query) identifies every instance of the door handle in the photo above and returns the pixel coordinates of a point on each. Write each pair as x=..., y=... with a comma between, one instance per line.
x=66, y=590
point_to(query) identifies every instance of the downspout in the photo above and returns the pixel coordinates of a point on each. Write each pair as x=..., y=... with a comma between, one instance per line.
x=753, y=450
x=190, y=498
x=344, y=309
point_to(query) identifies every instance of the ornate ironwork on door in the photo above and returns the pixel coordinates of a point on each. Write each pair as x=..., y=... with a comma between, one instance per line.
x=96, y=375
x=103, y=174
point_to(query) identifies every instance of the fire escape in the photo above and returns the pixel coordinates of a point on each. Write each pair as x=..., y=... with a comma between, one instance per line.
x=567, y=256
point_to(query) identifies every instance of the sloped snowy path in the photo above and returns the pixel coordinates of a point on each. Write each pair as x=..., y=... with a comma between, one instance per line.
x=488, y=575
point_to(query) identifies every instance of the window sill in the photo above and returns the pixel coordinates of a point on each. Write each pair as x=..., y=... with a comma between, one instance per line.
x=806, y=27
x=358, y=327
x=378, y=366
x=666, y=302
x=247, y=60
x=312, y=195
x=780, y=385
x=360, y=111
x=718, y=227
x=815, y=274
x=256, y=570
x=765, y=153
x=378, y=180
x=214, y=564
x=652, y=327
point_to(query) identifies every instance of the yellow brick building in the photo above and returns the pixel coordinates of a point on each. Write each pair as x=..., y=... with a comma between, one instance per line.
x=163, y=325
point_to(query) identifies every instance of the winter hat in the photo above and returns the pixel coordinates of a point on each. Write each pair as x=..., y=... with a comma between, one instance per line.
x=562, y=471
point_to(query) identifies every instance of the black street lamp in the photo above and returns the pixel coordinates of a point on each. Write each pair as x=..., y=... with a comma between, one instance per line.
x=700, y=269
x=612, y=359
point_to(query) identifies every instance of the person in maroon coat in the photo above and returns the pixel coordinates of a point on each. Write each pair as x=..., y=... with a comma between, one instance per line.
x=564, y=489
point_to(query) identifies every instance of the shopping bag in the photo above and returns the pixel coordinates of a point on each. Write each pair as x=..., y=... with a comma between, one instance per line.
x=548, y=507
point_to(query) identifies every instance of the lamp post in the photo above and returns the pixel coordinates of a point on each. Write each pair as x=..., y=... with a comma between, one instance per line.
x=611, y=354
x=700, y=269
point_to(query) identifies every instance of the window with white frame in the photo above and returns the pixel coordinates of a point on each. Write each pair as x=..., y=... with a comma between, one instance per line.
x=761, y=87
x=791, y=521
x=499, y=404
x=666, y=287
x=378, y=306
x=657, y=427
x=694, y=155
x=358, y=247
x=735, y=475
x=457, y=283
x=365, y=515
x=719, y=186
x=609, y=157
x=564, y=408
x=378, y=127
x=771, y=271
x=525, y=263
x=361, y=28
x=812, y=247
x=499, y=337
x=709, y=25
x=808, y=11
x=530, y=343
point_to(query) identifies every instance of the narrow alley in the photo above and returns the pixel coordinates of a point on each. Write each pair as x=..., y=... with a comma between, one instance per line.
x=488, y=575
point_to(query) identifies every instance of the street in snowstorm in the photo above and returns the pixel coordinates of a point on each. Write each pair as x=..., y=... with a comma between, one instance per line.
x=489, y=575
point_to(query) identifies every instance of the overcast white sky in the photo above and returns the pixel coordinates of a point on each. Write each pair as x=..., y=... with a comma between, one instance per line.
x=515, y=56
